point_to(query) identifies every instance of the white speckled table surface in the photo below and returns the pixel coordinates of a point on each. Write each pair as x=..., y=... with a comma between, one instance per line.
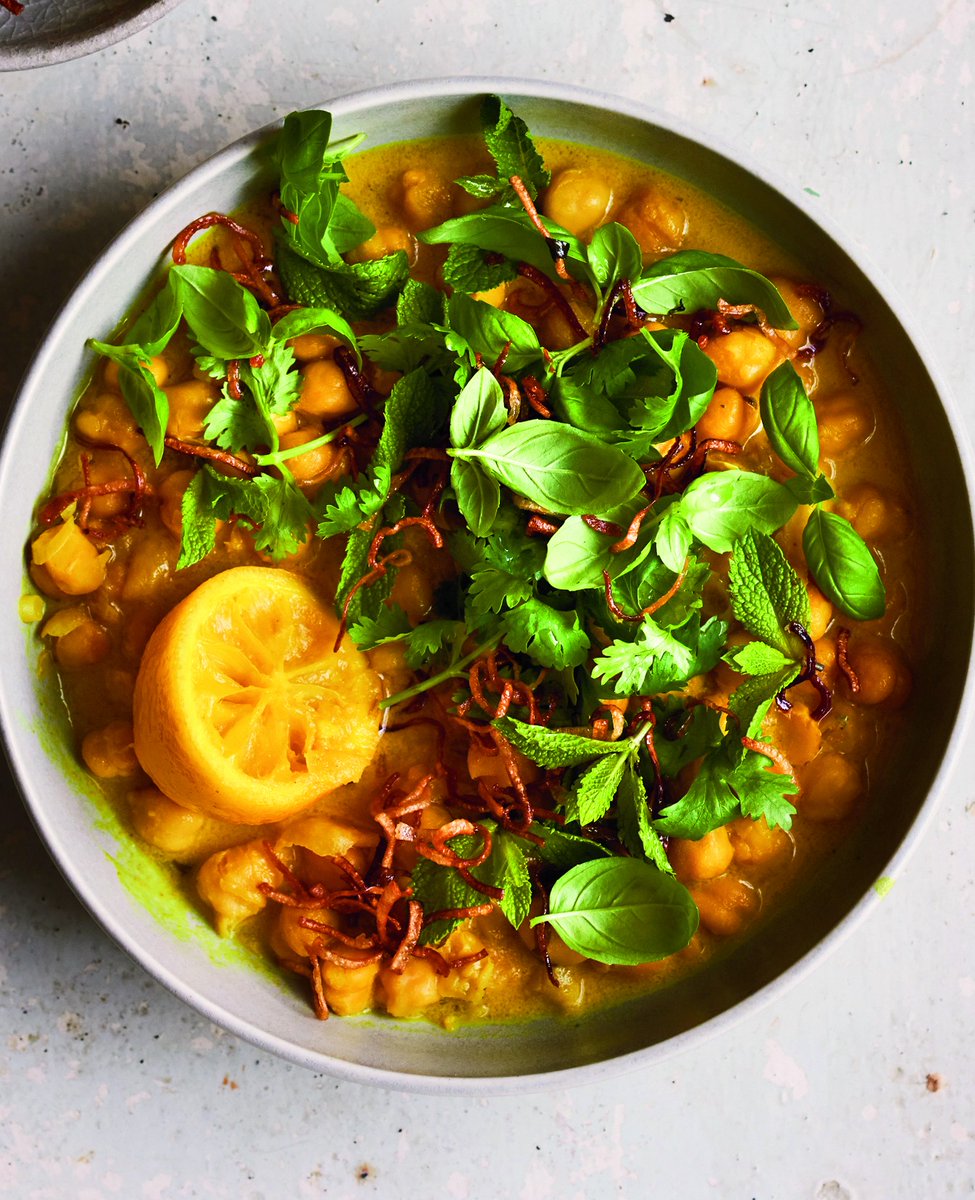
x=859, y=1084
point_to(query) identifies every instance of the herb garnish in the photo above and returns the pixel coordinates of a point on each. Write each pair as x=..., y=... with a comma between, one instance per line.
x=568, y=488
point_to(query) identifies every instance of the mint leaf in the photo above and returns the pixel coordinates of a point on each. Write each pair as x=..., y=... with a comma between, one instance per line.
x=595, y=789
x=470, y=269
x=511, y=146
x=766, y=593
x=550, y=749
x=750, y=701
x=758, y=658
x=359, y=290
x=633, y=814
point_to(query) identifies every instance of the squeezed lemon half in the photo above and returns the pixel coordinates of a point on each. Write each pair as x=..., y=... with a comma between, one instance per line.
x=243, y=709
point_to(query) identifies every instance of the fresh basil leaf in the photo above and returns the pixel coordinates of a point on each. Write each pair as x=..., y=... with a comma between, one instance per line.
x=789, y=420
x=673, y=539
x=359, y=290
x=844, y=569
x=614, y=254
x=551, y=637
x=766, y=593
x=549, y=748
x=809, y=491
x=578, y=404
x=487, y=330
x=303, y=150
x=222, y=314
x=508, y=231
x=511, y=146
x=621, y=911
x=692, y=380
x=477, y=494
x=693, y=279
x=157, y=324
x=559, y=467
x=478, y=411
x=147, y=402
x=721, y=506
x=315, y=320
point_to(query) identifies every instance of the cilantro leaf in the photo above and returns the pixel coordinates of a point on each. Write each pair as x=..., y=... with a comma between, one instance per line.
x=750, y=701
x=549, y=636
x=493, y=588
x=659, y=660
x=763, y=792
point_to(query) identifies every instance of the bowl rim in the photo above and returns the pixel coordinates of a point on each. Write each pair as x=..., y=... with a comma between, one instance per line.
x=346, y=106
x=47, y=49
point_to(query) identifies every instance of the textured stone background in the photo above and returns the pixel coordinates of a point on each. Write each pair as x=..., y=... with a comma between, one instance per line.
x=857, y=1085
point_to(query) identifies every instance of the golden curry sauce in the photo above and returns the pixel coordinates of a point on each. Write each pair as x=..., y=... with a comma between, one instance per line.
x=109, y=582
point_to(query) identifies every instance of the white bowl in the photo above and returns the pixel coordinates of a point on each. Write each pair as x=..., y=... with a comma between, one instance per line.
x=135, y=902
x=53, y=31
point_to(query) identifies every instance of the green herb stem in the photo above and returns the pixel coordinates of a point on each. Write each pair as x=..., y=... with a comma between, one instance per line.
x=277, y=457
x=454, y=671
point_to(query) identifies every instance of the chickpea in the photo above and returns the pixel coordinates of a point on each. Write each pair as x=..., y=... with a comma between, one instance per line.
x=656, y=220
x=413, y=591
x=875, y=513
x=743, y=358
x=84, y=646
x=150, y=564
x=293, y=938
x=386, y=240
x=103, y=468
x=170, y=494
x=427, y=199
x=845, y=420
x=795, y=733
x=729, y=417
x=189, y=404
x=556, y=331
x=412, y=990
x=821, y=612
x=109, y=752
x=756, y=842
x=726, y=904
x=830, y=787
x=495, y=297
x=227, y=881
x=165, y=824
x=578, y=199
x=881, y=670
x=349, y=990
x=69, y=559
x=806, y=311
x=389, y=662
x=490, y=767
x=106, y=417
x=309, y=346
x=324, y=391
x=316, y=465
x=158, y=368
x=705, y=858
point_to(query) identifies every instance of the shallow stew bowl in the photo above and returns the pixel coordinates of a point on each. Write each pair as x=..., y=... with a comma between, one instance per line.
x=138, y=905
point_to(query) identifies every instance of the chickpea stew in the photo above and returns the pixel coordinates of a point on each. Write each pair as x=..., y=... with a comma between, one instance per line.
x=488, y=604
